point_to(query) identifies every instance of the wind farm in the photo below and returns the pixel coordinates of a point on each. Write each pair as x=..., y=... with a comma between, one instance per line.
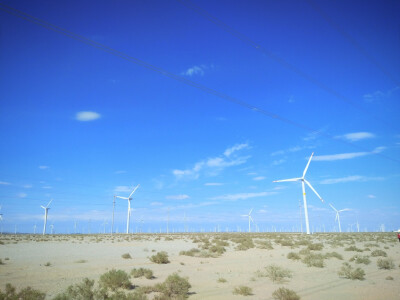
x=174, y=136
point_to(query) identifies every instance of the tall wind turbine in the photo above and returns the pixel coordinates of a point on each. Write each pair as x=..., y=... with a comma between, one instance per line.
x=250, y=218
x=46, y=209
x=337, y=218
x=303, y=180
x=129, y=206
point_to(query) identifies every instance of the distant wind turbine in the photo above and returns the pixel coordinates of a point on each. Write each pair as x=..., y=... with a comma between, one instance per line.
x=129, y=206
x=250, y=218
x=337, y=218
x=303, y=180
x=46, y=209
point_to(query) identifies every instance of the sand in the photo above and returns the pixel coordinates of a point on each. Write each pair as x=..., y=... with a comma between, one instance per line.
x=73, y=258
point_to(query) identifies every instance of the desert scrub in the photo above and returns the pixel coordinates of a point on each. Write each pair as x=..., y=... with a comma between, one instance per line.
x=81, y=261
x=126, y=256
x=136, y=273
x=348, y=272
x=314, y=260
x=333, y=254
x=84, y=290
x=174, y=287
x=315, y=247
x=293, y=255
x=358, y=259
x=221, y=280
x=353, y=248
x=285, y=294
x=26, y=293
x=48, y=264
x=264, y=245
x=191, y=252
x=242, y=290
x=378, y=253
x=385, y=263
x=275, y=273
x=115, y=279
x=389, y=278
x=160, y=258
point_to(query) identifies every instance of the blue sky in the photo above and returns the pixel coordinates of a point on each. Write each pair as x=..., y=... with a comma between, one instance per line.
x=79, y=125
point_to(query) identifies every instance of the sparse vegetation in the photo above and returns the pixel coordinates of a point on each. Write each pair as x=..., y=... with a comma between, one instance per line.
x=378, y=252
x=385, y=263
x=358, y=259
x=389, y=278
x=174, y=287
x=221, y=280
x=275, y=273
x=353, y=248
x=314, y=260
x=348, y=272
x=242, y=290
x=293, y=255
x=333, y=254
x=285, y=294
x=315, y=247
x=126, y=256
x=81, y=261
x=160, y=258
x=48, y=264
x=136, y=273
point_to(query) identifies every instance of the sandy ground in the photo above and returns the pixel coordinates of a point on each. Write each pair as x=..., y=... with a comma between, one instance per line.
x=24, y=258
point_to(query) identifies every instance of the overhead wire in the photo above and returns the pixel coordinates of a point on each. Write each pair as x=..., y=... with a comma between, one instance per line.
x=247, y=40
x=97, y=45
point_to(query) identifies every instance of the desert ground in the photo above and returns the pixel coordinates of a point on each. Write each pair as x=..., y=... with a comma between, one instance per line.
x=320, y=266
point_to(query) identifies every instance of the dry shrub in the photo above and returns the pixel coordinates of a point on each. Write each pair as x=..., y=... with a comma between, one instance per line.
x=115, y=279
x=293, y=255
x=358, y=259
x=174, y=287
x=242, y=290
x=136, y=273
x=126, y=256
x=385, y=263
x=353, y=248
x=160, y=258
x=378, y=253
x=276, y=273
x=26, y=293
x=333, y=254
x=347, y=271
x=315, y=247
x=314, y=260
x=285, y=294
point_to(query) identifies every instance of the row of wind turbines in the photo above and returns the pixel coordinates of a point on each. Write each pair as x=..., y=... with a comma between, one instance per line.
x=250, y=219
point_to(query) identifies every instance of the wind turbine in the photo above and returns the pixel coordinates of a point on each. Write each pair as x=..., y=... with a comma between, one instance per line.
x=129, y=206
x=337, y=215
x=250, y=218
x=46, y=209
x=303, y=180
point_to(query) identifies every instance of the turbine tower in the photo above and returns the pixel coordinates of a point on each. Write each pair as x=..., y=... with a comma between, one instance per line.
x=129, y=207
x=46, y=209
x=337, y=218
x=304, y=181
x=250, y=218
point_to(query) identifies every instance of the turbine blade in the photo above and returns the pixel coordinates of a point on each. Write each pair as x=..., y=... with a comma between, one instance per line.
x=134, y=190
x=250, y=211
x=345, y=209
x=285, y=180
x=122, y=197
x=305, y=170
x=333, y=207
x=49, y=203
x=42, y=207
x=337, y=215
x=251, y=219
x=320, y=198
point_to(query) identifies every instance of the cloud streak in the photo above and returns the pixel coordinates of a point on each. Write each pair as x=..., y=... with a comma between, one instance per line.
x=86, y=116
x=242, y=196
x=354, y=178
x=177, y=197
x=343, y=156
x=356, y=136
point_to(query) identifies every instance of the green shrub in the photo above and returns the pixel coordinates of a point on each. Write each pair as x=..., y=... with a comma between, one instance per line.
x=285, y=294
x=347, y=271
x=191, y=252
x=222, y=280
x=385, y=263
x=358, y=259
x=136, y=273
x=126, y=256
x=79, y=291
x=26, y=293
x=276, y=273
x=174, y=287
x=48, y=264
x=389, y=278
x=314, y=260
x=242, y=290
x=115, y=279
x=293, y=255
x=264, y=245
x=378, y=253
x=160, y=258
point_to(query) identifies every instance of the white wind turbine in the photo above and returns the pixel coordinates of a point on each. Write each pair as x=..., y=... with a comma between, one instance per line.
x=303, y=180
x=337, y=218
x=250, y=218
x=129, y=206
x=46, y=208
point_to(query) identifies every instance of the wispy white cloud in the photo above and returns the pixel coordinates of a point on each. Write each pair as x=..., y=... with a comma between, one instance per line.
x=177, y=197
x=278, y=162
x=4, y=183
x=122, y=189
x=213, y=184
x=43, y=167
x=356, y=136
x=47, y=187
x=156, y=204
x=343, y=156
x=242, y=196
x=259, y=178
x=86, y=116
x=196, y=70
x=291, y=150
x=262, y=211
x=215, y=164
x=371, y=196
x=380, y=95
x=352, y=178
x=22, y=195
x=27, y=186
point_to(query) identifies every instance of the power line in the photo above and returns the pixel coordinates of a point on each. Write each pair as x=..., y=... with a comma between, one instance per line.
x=278, y=59
x=32, y=19
x=352, y=41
